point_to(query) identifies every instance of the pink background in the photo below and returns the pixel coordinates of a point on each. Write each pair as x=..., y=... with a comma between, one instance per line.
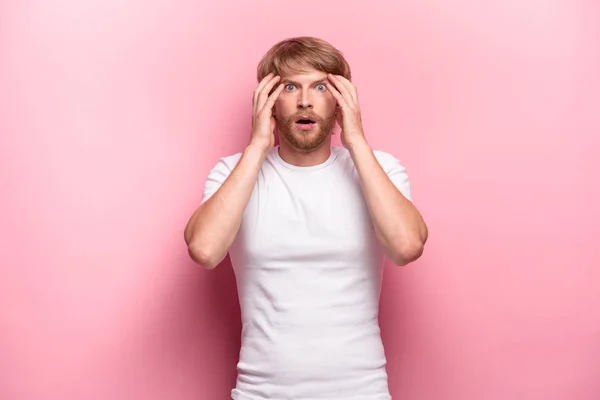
x=112, y=113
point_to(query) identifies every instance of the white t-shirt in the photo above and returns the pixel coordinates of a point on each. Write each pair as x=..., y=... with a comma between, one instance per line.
x=308, y=269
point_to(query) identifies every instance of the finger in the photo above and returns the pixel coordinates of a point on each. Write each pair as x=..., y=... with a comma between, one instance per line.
x=341, y=88
x=264, y=81
x=349, y=85
x=337, y=95
x=271, y=99
x=263, y=96
x=345, y=87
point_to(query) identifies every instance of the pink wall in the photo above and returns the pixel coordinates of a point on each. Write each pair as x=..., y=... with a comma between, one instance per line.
x=112, y=112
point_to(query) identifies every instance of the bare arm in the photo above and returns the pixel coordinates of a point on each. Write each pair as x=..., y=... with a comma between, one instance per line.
x=398, y=224
x=212, y=228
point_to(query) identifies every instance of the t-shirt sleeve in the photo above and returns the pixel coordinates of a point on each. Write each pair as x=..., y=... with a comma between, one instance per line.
x=218, y=174
x=395, y=171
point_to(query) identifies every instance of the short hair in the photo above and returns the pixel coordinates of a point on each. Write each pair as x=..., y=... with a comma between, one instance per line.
x=298, y=53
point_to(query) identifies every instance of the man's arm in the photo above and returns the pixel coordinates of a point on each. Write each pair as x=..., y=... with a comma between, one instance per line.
x=212, y=228
x=398, y=224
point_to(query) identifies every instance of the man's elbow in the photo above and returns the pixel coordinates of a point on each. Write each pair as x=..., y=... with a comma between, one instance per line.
x=202, y=256
x=408, y=253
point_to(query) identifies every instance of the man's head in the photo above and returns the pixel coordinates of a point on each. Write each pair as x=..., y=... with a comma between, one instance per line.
x=305, y=111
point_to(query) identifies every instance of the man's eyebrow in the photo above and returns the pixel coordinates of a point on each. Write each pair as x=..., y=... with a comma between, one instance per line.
x=319, y=81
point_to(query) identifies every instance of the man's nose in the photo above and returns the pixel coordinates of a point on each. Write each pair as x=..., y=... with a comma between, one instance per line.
x=304, y=100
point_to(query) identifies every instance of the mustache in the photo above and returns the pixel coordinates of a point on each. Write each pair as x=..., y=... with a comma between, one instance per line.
x=310, y=115
x=306, y=114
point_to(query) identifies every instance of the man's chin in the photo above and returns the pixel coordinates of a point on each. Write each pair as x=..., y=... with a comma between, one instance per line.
x=307, y=135
x=305, y=141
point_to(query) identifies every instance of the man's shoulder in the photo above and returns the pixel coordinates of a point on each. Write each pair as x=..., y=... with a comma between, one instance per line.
x=227, y=162
x=232, y=158
x=384, y=156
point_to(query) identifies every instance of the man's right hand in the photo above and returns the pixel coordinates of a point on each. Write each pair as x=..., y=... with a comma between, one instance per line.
x=214, y=225
x=263, y=122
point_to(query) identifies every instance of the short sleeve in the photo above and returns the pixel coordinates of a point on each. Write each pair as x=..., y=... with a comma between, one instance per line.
x=218, y=174
x=395, y=171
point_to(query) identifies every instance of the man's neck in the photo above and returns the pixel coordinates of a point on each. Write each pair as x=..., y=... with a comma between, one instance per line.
x=305, y=159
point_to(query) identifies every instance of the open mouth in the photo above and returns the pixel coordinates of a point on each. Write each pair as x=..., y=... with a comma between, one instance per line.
x=305, y=121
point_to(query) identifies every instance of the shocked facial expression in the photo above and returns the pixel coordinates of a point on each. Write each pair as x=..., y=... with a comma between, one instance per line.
x=305, y=110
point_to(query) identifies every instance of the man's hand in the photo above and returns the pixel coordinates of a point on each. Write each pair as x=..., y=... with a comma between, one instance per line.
x=263, y=122
x=213, y=226
x=398, y=225
x=348, y=116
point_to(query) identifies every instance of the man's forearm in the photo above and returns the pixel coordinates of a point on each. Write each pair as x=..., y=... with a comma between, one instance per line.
x=213, y=227
x=398, y=224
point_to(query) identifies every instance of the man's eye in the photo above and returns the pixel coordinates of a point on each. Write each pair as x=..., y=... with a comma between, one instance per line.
x=321, y=87
x=289, y=86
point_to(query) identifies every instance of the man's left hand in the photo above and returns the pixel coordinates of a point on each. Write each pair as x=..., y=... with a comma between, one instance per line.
x=348, y=115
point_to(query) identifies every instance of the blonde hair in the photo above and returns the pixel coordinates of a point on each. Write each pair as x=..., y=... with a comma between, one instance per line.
x=300, y=53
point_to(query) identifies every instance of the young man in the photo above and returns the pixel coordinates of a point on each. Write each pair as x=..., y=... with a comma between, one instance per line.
x=307, y=226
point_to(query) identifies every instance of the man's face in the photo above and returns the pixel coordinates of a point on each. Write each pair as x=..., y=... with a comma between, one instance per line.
x=305, y=110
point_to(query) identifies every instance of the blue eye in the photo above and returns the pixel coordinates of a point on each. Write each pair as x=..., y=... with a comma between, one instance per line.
x=321, y=87
x=289, y=87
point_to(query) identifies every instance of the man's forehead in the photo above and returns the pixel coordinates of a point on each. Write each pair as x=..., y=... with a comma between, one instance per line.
x=304, y=75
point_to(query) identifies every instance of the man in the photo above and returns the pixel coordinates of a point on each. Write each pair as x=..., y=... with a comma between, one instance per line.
x=307, y=226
